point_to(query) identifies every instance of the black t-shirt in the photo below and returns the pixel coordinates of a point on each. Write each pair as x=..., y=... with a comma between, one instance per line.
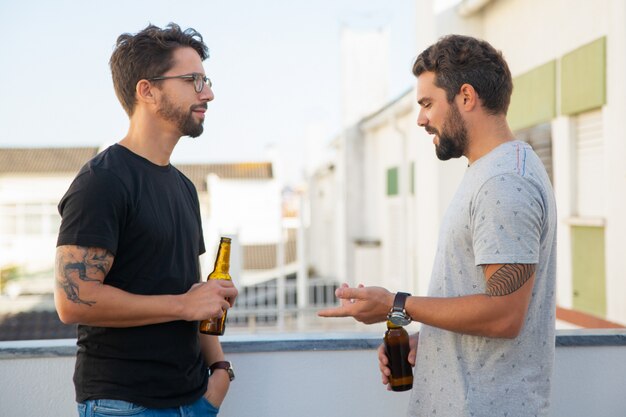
x=148, y=216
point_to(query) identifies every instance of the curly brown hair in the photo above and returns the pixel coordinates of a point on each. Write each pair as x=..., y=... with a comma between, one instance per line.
x=148, y=54
x=458, y=60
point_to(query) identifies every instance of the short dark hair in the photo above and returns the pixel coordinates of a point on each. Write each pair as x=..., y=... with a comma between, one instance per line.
x=457, y=59
x=148, y=54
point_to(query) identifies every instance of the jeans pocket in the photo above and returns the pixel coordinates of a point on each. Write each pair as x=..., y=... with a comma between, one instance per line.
x=210, y=407
x=81, y=409
x=116, y=408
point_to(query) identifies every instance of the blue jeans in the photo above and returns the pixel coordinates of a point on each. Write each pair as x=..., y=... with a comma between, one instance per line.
x=107, y=408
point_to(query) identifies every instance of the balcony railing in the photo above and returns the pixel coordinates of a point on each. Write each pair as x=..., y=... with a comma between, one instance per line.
x=316, y=375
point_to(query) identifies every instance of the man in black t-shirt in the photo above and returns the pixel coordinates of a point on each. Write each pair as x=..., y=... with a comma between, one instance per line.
x=127, y=268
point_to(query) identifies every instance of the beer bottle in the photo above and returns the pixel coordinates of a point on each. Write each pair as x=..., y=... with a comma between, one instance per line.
x=397, y=350
x=216, y=326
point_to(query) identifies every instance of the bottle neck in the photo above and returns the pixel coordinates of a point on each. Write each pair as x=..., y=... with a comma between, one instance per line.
x=390, y=325
x=222, y=261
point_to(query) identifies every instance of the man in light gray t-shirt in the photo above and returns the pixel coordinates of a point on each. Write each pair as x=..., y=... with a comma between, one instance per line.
x=486, y=345
x=503, y=213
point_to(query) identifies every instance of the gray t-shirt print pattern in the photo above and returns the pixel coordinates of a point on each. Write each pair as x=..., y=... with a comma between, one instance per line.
x=502, y=212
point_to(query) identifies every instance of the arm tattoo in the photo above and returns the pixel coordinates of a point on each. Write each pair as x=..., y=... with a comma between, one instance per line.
x=509, y=278
x=84, y=264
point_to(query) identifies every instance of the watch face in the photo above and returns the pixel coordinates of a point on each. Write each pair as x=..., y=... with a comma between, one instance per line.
x=399, y=318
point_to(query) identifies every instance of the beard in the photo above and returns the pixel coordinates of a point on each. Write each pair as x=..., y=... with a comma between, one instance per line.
x=182, y=118
x=453, y=136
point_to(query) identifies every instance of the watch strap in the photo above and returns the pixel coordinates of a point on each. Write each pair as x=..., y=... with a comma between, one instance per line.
x=220, y=365
x=399, y=301
x=225, y=365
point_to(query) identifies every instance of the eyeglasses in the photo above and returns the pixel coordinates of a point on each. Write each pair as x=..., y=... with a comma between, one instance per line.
x=199, y=80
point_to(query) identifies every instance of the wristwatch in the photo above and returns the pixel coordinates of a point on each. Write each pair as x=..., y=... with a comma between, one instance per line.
x=398, y=315
x=227, y=366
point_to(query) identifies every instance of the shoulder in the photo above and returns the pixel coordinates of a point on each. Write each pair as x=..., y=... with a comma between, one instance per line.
x=511, y=167
x=97, y=180
x=188, y=183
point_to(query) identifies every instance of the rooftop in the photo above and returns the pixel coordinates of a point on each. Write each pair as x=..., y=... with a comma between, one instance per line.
x=71, y=159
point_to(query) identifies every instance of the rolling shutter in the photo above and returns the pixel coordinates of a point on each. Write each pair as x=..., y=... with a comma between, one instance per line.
x=590, y=184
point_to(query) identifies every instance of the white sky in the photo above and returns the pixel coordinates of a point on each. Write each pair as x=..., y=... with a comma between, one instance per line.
x=274, y=64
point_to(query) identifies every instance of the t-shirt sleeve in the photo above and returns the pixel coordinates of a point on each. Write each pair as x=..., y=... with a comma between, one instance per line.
x=93, y=210
x=507, y=219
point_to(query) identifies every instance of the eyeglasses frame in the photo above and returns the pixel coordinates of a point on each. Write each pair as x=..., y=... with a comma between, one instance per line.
x=194, y=76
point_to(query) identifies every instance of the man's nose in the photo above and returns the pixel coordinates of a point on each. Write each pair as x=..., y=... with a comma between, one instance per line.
x=422, y=120
x=207, y=94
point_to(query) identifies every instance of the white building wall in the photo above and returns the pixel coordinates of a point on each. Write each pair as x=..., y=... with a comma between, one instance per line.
x=249, y=208
x=341, y=233
x=322, y=246
x=38, y=195
x=248, y=211
x=532, y=32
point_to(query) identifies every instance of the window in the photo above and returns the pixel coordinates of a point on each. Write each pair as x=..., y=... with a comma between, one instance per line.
x=392, y=181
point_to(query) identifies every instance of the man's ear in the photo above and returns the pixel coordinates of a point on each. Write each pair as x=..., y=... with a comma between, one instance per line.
x=145, y=92
x=468, y=98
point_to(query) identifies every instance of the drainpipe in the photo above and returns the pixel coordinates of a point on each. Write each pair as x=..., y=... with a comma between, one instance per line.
x=404, y=195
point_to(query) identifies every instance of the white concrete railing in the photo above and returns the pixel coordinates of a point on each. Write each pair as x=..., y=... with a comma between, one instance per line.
x=304, y=375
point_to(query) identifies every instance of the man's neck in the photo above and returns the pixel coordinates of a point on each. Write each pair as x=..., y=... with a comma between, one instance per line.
x=150, y=139
x=487, y=135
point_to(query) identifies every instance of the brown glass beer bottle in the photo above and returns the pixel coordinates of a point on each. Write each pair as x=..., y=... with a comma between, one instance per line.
x=397, y=350
x=216, y=326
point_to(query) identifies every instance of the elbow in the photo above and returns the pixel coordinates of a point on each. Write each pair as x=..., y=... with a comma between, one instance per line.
x=67, y=316
x=510, y=332
x=67, y=312
x=508, y=328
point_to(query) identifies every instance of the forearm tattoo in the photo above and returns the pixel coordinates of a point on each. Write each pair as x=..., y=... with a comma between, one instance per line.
x=509, y=278
x=81, y=264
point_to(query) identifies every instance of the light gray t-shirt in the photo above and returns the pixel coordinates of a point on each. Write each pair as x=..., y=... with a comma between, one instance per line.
x=503, y=212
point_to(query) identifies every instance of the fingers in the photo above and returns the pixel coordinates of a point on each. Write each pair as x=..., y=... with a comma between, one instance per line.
x=412, y=356
x=347, y=293
x=223, y=288
x=334, y=312
x=342, y=310
x=382, y=357
x=413, y=340
x=208, y=299
x=383, y=363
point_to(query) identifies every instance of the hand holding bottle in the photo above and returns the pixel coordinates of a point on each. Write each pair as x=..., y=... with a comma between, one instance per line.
x=208, y=299
x=383, y=360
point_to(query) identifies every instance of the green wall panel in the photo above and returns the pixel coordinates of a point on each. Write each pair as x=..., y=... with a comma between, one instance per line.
x=589, y=282
x=583, y=78
x=392, y=181
x=534, y=97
